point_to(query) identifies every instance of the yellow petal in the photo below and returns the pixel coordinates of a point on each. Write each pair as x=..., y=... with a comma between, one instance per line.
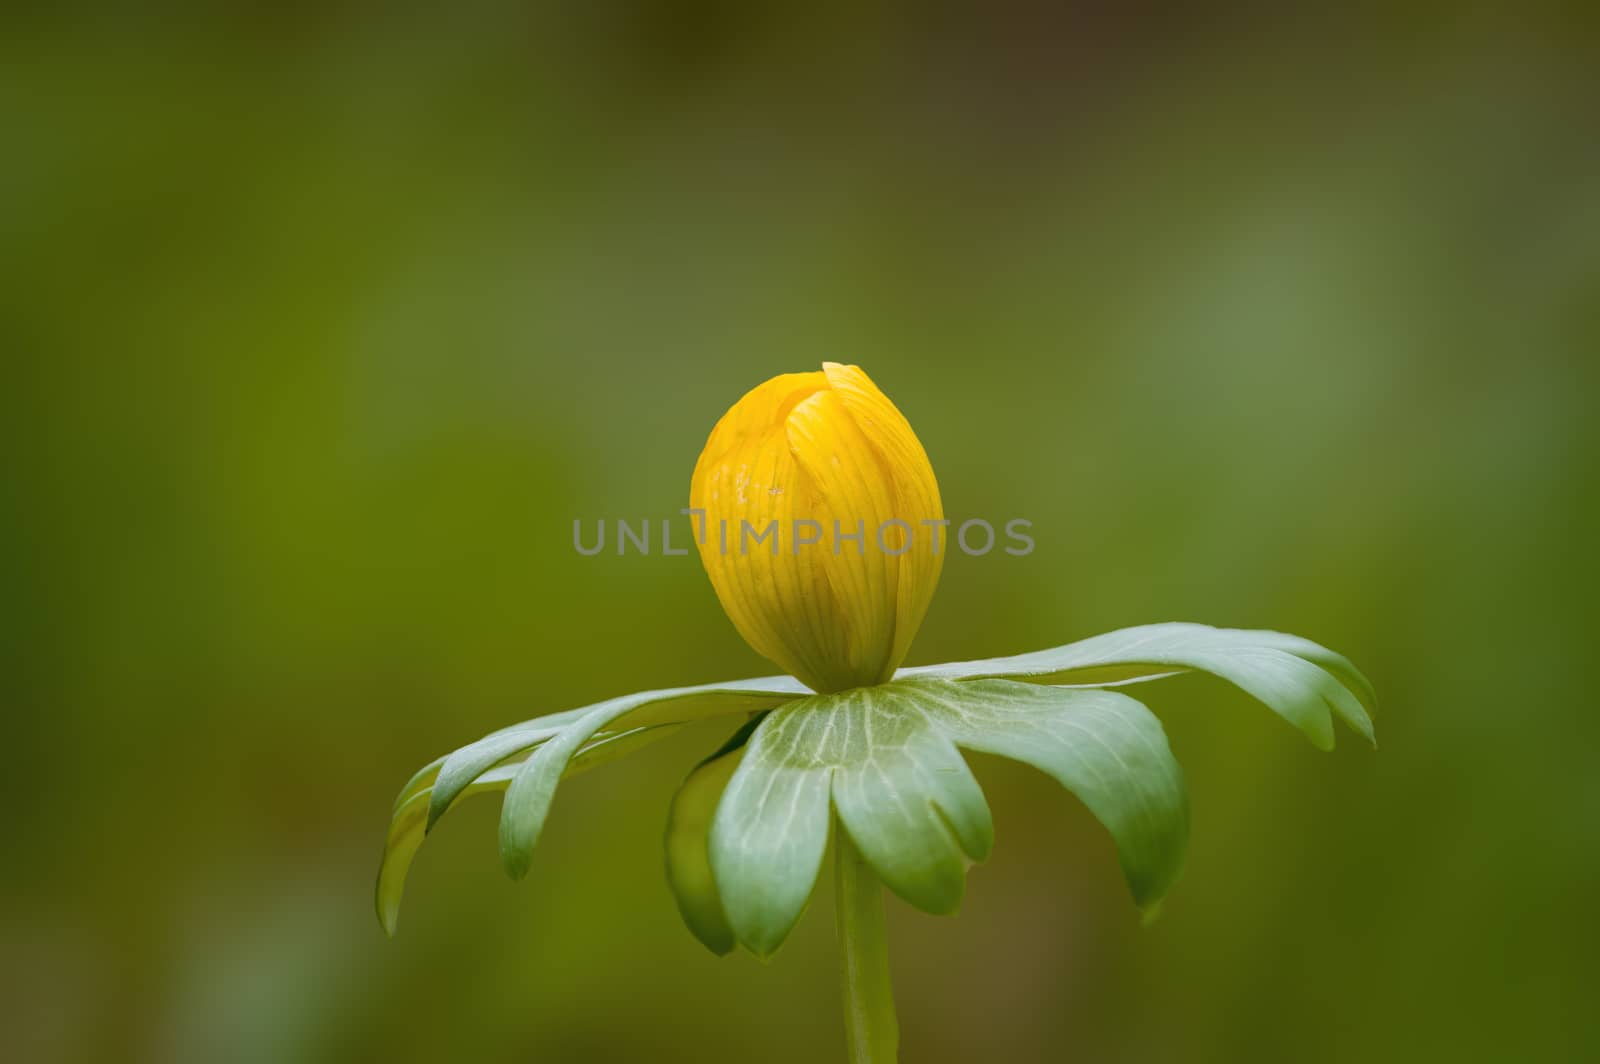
x=852, y=498
x=826, y=449
x=747, y=477
x=916, y=494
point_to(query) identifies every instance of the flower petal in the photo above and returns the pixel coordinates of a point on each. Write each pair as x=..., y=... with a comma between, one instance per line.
x=916, y=494
x=752, y=490
x=851, y=495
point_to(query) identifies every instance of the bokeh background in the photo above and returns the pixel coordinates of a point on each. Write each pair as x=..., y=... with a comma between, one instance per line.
x=323, y=323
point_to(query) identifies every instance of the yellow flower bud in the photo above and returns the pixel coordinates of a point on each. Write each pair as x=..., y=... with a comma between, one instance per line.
x=822, y=529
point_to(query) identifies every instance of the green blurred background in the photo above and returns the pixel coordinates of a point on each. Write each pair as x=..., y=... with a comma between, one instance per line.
x=323, y=323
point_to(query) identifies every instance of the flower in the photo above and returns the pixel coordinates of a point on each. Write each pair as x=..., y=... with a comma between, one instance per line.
x=820, y=526
x=851, y=751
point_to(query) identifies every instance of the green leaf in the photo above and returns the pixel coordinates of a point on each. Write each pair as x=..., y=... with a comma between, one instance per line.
x=589, y=735
x=408, y=826
x=460, y=768
x=420, y=780
x=771, y=827
x=885, y=759
x=907, y=798
x=687, y=844
x=1298, y=679
x=1104, y=747
x=527, y=800
x=406, y=831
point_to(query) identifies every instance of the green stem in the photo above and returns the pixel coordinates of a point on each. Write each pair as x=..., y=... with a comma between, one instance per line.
x=870, y=1027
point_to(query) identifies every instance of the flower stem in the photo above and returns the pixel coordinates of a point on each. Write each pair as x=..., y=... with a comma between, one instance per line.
x=870, y=1027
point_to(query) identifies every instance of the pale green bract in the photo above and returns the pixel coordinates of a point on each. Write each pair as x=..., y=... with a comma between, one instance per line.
x=1297, y=679
x=748, y=829
x=885, y=759
x=588, y=736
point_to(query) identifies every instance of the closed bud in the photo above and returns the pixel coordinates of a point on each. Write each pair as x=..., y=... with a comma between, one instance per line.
x=817, y=498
